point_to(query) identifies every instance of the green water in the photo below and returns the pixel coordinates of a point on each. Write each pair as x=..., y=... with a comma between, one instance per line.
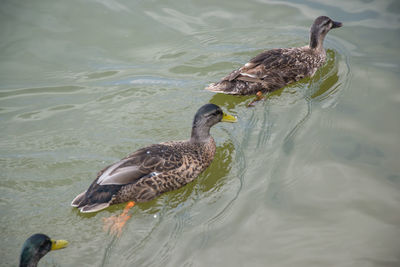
x=309, y=177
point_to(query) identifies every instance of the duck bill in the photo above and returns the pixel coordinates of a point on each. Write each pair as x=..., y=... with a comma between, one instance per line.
x=336, y=24
x=58, y=244
x=228, y=118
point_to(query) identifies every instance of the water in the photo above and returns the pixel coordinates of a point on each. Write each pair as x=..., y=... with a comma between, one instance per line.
x=310, y=177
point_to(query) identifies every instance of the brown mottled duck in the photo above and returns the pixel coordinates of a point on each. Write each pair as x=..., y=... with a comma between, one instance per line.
x=36, y=246
x=155, y=169
x=276, y=68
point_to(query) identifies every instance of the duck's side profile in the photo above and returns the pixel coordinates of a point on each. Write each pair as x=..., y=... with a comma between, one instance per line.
x=157, y=168
x=274, y=69
x=36, y=246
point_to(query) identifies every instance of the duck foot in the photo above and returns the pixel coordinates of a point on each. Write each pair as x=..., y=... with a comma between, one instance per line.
x=114, y=224
x=259, y=96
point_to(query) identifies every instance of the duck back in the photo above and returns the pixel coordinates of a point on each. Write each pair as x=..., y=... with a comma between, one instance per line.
x=271, y=70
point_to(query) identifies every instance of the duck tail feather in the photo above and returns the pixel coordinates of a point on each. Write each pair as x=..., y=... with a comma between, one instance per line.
x=94, y=207
x=78, y=199
x=224, y=87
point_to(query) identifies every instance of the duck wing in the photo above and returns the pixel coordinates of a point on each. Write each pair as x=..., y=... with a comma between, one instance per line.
x=143, y=163
x=265, y=64
x=146, y=161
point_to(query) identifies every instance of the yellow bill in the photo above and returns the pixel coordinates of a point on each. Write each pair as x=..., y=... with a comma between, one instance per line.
x=228, y=118
x=58, y=244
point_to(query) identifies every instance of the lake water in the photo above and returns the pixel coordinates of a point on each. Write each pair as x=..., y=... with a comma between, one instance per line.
x=309, y=177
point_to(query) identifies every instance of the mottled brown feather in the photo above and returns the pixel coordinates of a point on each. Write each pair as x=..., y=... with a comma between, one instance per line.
x=276, y=68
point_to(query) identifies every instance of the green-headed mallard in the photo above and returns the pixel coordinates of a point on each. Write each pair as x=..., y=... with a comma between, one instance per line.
x=273, y=69
x=157, y=168
x=36, y=246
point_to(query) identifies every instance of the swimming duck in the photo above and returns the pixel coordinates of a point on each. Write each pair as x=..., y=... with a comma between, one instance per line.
x=274, y=69
x=157, y=168
x=36, y=246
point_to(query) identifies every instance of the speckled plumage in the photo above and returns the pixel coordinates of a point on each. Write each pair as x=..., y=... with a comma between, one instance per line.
x=154, y=169
x=177, y=163
x=276, y=68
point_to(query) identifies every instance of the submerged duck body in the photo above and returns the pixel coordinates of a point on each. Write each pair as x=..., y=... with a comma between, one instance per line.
x=157, y=168
x=276, y=68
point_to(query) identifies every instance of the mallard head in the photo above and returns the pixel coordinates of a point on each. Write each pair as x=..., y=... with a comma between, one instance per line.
x=36, y=246
x=321, y=26
x=207, y=116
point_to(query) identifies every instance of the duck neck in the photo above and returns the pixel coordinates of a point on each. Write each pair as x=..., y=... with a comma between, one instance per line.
x=200, y=134
x=29, y=262
x=316, y=41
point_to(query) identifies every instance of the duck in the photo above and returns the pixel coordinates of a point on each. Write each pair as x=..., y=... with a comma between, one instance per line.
x=276, y=68
x=36, y=246
x=157, y=168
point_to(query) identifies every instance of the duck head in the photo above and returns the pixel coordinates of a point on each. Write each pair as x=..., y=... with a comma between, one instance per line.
x=36, y=246
x=206, y=117
x=321, y=26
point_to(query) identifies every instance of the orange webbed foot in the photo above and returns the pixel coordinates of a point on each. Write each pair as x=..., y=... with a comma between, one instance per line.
x=259, y=96
x=114, y=224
